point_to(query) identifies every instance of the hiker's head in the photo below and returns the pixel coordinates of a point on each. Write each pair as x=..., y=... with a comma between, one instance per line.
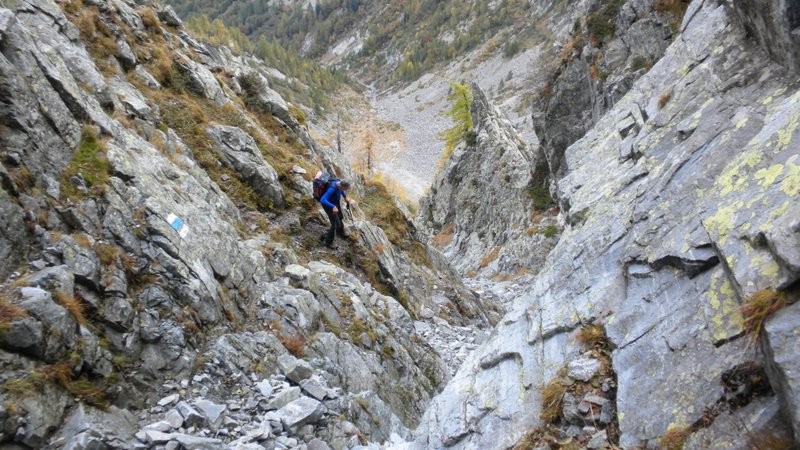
x=344, y=185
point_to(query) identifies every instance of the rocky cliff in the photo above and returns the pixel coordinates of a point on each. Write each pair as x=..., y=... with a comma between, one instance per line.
x=644, y=327
x=163, y=282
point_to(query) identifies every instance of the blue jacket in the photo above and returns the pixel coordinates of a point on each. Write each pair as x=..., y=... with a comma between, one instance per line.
x=332, y=196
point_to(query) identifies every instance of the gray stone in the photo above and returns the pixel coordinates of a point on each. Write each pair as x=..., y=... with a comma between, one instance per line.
x=198, y=443
x=598, y=440
x=212, y=411
x=191, y=418
x=161, y=426
x=297, y=272
x=295, y=369
x=780, y=344
x=583, y=369
x=283, y=398
x=238, y=150
x=168, y=15
x=169, y=400
x=264, y=387
x=302, y=411
x=315, y=387
x=157, y=437
x=174, y=418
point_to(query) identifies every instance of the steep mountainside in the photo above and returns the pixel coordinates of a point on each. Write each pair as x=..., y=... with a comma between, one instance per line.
x=161, y=264
x=645, y=326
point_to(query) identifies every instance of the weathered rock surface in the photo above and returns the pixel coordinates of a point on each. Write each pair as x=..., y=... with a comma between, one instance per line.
x=680, y=204
x=474, y=208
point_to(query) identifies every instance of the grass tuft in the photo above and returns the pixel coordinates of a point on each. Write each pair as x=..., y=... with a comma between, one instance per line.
x=552, y=400
x=674, y=438
x=664, y=99
x=593, y=336
x=759, y=307
x=73, y=305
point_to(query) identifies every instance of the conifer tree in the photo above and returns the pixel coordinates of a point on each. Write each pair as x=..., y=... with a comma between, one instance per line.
x=461, y=98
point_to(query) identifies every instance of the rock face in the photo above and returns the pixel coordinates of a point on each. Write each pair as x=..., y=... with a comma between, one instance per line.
x=155, y=226
x=475, y=204
x=681, y=203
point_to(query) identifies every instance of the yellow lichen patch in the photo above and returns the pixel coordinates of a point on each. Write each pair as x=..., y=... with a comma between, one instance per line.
x=723, y=315
x=767, y=176
x=722, y=222
x=734, y=177
x=785, y=133
x=791, y=182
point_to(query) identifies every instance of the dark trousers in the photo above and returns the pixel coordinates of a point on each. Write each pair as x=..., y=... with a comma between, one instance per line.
x=337, y=226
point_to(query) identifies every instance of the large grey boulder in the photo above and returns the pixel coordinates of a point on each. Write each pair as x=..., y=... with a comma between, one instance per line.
x=302, y=411
x=295, y=369
x=13, y=237
x=780, y=344
x=87, y=428
x=238, y=150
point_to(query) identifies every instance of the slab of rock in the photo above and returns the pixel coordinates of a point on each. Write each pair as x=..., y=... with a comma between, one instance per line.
x=302, y=411
x=168, y=400
x=297, y=272
x=315, y=388
x=174, y=418
x=283, y=398
x=191, y=418
x=295, y=369
x=198, y=443
x=212, y=411
x=780, y=344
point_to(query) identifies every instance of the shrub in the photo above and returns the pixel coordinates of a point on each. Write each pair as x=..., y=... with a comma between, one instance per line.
x=9, y=312
x=150, y=20
x=550, y=230
x=602, y=24
x=540, y=196
x=592, y=336
x=107, y=254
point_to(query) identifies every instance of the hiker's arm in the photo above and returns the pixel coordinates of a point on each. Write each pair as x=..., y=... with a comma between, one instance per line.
x=326, y=198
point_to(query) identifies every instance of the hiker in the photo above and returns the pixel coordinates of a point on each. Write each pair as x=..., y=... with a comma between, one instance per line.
x=333, y=208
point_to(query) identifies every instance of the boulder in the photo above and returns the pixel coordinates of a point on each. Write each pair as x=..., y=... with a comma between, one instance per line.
x=780, y=344
x=238, y=151
x=295, y=369
x=302, y=411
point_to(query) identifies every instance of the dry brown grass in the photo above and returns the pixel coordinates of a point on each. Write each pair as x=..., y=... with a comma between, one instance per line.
x=676, y=8
x=552, y=399
x=592, y=335
x=674, y=438
x=490, y=257
x=73, y=305
x=295, y=343
x=73, y=6
x=107, y=253
x=150, y=20
x=83, y=240
x=766, y=441
x=759, y=307
x=445, y=236
x=9, y=312
x=664, y=99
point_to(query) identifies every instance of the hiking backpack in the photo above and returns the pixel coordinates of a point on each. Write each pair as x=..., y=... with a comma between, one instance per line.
x=322, y=182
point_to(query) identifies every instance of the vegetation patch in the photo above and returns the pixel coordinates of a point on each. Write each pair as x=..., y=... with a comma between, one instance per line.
x=759, y=307
x=602, y=24
x=60, y=374
x=461, y=99
x=89, y=164
x=675, y=8
x=541, y=200
x=73, y=305
x=9, y=312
